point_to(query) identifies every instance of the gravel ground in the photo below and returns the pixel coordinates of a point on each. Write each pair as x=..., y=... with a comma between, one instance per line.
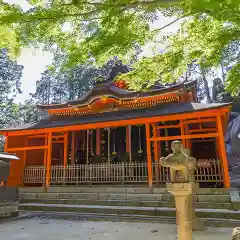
x=45, y=229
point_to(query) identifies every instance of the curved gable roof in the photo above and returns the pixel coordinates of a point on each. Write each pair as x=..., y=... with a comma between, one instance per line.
x=108, y=89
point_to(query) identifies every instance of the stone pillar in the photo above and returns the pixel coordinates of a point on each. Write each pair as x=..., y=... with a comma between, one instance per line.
x=183, y=193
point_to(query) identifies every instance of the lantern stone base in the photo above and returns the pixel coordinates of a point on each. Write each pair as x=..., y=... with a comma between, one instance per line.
x=183, y=193
x=236, y=233
x=198, y=224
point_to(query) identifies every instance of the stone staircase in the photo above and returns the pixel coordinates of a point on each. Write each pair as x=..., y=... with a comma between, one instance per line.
x=219, y=207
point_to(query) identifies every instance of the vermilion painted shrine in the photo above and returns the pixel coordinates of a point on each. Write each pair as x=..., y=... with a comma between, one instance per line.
x=113, y=135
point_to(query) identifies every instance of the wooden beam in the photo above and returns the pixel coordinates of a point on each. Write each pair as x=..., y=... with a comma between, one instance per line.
x=73, y=148
x=168, y=126
x=37, y=136
x=49, y=160
x=223, y=152
x=207, y=135
x=202, y=130
x=25, y=148
x=149, y=158
x=59, y=141
x=57, y=137
x=120, y=122
x=199, y=120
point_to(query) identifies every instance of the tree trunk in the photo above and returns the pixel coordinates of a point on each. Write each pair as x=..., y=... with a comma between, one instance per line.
x=223, y=73
x=205, y=83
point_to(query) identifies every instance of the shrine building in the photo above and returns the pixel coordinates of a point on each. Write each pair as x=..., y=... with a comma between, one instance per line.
x=113, y=135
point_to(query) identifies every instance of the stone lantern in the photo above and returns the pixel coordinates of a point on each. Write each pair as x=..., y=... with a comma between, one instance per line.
x=5, y=159
x=182, y=186
x=8, y=195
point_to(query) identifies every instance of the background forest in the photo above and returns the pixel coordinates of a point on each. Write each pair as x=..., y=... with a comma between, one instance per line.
x=58, y=85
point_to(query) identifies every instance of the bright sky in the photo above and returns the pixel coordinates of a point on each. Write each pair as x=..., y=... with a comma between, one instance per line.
x=35, y=61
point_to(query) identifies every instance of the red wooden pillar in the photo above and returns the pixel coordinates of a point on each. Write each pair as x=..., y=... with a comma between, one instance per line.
x=65, y=152
x=223, y=152
x=156, y=145
x=6, y=143
x=149, y=158
x=128, y=143
x=49, y=160
x=73, y=148
x=182, y=130
x=46, y=150
x=5, y=150
x=24, y=157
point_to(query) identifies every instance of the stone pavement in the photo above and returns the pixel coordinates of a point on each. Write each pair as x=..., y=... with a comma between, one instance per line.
x=47, y=229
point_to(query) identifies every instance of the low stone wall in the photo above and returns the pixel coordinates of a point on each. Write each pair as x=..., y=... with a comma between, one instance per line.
x=8, y=202
x=8, y=210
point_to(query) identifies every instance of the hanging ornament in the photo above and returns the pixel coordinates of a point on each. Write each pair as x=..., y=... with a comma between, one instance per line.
x=140, y=151
x=166, y=142
x=91, y=141
x=114, y=143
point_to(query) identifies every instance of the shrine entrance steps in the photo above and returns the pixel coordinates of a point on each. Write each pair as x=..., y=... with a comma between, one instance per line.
x=219, y=207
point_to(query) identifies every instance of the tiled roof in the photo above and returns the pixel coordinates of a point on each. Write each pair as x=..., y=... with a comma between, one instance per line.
x=161, y=110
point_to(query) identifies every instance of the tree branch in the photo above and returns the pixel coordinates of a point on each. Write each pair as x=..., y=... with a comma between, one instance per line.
x=169, y=24
x=28, y=18
x=31, y=18
x=127, y=5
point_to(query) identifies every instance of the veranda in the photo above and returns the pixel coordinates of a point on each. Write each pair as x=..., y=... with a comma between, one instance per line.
x=50, y=156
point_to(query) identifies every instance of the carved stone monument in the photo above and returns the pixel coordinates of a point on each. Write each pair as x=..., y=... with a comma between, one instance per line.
x=182, y=186
x=232, y=140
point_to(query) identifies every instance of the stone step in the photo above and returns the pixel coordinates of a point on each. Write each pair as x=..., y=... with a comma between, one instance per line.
x=211, y=205
x=124, y=196
x=114, y=189
x=211, y=222
x=130, y=210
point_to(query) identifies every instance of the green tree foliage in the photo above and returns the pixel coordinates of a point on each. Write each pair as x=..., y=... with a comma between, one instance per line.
x=106, y=28
x=101, y=29
x=64, y=85
x=58, y=85
x=10, y=76
x=28, y=110
x=86, y=30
